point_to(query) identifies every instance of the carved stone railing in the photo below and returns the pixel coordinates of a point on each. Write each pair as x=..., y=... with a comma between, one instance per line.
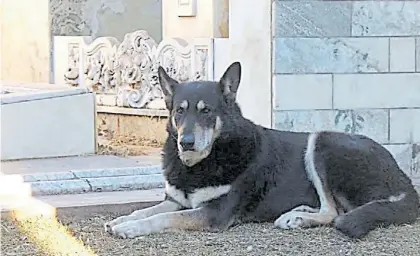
x=125, y=74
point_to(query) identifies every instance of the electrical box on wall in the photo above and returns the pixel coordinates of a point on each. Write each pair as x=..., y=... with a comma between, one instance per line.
x=187, y=8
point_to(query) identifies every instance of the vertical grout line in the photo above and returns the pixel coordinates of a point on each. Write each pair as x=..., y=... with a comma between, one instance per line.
x=332, y=91
x=389, y=54
x=271, y=66
x=389, y=125
x=416, y=53
x=351, y=17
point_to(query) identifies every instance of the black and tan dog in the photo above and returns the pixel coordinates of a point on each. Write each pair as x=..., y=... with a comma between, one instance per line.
x=221, y=169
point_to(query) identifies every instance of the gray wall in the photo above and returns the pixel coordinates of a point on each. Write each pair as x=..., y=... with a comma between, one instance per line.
x=106, y=17
x=350, y=66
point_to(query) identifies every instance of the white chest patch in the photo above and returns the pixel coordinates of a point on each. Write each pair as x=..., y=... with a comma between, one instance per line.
x=196, y=198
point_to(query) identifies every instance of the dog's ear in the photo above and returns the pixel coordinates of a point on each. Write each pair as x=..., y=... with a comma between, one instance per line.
x=230, y=80
x=167, y=84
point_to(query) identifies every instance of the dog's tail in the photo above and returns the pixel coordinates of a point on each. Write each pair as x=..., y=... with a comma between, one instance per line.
x=400, y=209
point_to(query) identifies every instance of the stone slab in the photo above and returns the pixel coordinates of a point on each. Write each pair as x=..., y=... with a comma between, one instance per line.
x=58, y=187
x=376, y=91
x=119, y=183
x=93, y=173
x=99, y=184
x=386, y=18
x=299, y=92
x=132, y=111
x=104, y=198
x=402, y=54
x=330, y=55
x=415, y=172
x=20, y=94
x=17, y=86
x=403, y=154
x=60, y=126
x=78, y=164
x=404, y=126
x=127, y=171
x=307, y=19
x=370, y=122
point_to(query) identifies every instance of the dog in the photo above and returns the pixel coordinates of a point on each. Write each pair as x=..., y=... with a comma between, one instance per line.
x=221, y=170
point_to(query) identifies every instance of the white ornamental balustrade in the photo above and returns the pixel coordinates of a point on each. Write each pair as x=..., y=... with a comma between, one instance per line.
x=125, y=74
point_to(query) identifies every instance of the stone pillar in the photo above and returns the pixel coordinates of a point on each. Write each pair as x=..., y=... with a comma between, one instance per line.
x=241, y=30
x=250, y=43
x=25, y=40
x=204, y=18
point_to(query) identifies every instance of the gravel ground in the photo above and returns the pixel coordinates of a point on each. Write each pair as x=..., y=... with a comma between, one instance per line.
x=86, y=225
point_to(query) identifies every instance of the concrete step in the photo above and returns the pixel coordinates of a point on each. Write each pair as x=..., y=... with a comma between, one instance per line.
x=116, y=183
x=81, y=200
x=81, y=174
x=83, y=181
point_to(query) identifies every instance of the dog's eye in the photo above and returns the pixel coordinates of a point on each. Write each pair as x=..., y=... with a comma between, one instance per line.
x=180, y=111
x=205, y=110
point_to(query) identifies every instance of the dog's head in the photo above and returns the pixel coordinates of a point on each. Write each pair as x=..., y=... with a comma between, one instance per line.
x=196, y=109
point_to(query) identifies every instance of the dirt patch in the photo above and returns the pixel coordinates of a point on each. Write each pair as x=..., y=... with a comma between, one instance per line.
x=86, y=224
x=126, y=135
x=125, y=145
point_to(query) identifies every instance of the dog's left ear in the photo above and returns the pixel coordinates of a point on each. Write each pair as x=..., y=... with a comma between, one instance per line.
x=167, y=84
x=230, y=80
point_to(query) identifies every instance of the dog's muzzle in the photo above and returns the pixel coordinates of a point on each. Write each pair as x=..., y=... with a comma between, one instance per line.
x=192, y=149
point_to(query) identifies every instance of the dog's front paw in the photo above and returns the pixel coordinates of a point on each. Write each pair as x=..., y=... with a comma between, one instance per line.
x=289, y=220
x=109, y=225
x=131, y=229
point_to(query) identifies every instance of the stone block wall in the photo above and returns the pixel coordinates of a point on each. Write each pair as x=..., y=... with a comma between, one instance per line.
x=351, y=66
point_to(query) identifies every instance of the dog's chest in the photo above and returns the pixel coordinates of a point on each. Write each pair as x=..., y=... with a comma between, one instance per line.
x=198, y=196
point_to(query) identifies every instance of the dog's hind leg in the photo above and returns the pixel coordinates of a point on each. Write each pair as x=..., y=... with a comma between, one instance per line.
x=305, y=216
x=165, y=206
x=398, y=209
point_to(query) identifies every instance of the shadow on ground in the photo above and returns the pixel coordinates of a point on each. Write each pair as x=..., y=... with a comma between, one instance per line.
x=86, y=224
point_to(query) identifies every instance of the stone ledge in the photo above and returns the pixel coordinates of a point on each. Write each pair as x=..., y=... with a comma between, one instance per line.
x=117, y=199
x=14, y=92
x=133, y=111
x=93, y=173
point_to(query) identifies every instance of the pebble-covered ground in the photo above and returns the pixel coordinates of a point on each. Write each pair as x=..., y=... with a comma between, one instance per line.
x=37, y=237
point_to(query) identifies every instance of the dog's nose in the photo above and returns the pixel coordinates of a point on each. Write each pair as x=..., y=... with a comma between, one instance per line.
x=187, y=142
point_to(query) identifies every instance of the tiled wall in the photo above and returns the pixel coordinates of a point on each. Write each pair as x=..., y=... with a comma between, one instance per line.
x=350, y=66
